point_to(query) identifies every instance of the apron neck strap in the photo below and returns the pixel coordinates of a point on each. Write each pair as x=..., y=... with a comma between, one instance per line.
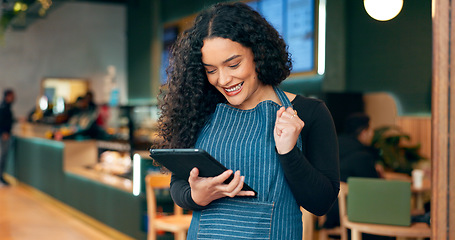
x=283, y=98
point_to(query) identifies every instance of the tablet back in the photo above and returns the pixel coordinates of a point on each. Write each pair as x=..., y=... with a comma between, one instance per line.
x=182, y=161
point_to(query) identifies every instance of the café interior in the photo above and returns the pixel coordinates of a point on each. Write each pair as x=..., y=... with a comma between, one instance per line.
x=95, y=167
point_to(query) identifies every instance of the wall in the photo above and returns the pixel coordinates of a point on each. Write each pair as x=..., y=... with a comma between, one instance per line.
x=392, y=56
x=142, y=28
x=75, y=40
x=335, y=73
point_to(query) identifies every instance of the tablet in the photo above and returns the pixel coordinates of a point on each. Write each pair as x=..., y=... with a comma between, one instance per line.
x=182, y=161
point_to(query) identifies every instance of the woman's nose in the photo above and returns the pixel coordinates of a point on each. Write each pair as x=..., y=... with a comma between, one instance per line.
x=224, y=78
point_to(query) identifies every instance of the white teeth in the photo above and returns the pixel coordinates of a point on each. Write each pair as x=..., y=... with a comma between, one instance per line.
x=237, y=87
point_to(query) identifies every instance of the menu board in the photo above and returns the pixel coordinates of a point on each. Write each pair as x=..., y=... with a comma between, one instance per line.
x=273, y=11
x=169, y=36
x=295, y=21
x=300, y=33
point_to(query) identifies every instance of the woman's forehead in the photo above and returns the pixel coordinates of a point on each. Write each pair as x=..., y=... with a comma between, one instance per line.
x=221, y=49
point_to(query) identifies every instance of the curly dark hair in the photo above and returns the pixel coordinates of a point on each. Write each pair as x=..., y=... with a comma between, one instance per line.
x=190, y=99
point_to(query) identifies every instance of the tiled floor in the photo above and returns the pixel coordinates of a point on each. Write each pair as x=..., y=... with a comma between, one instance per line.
x=24, y=216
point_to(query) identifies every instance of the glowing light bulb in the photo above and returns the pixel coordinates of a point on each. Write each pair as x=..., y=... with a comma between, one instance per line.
x=43, y=103
x=59, y=106
x=383, y=10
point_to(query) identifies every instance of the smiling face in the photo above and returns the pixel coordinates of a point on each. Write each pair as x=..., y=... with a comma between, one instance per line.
x=230, y=68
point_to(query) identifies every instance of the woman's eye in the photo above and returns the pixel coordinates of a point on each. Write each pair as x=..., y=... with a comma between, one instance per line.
x=235, y=65
x=210, y=71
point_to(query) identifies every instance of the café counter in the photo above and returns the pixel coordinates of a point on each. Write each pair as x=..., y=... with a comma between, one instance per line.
x=59, y=169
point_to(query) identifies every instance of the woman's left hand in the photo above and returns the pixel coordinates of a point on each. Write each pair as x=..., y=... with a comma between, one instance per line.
x=287, y=129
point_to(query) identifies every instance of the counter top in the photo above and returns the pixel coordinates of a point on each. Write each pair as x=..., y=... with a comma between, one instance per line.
x=105, y=178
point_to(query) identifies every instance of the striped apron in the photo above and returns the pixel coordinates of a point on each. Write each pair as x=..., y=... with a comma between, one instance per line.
x=243, y=140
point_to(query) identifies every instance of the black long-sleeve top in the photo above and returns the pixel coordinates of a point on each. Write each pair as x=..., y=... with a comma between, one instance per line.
x=6, y=118
x=356, y=159
x=312, y=174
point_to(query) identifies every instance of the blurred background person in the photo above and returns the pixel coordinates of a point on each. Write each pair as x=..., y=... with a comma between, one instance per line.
x=89, y=98
x=6, y=124
x=357, y=159
x=77, y=107
x=357, y=156
x=85, y=120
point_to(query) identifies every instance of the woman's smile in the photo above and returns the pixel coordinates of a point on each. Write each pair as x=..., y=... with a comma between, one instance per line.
x=234, y=90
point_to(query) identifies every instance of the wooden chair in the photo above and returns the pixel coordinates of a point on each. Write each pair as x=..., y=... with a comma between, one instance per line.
x=178, y=223
x=325, y=233
x=309, y=220
x=416, y=230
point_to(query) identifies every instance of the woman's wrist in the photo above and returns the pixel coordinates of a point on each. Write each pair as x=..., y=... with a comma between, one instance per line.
x=286, y=152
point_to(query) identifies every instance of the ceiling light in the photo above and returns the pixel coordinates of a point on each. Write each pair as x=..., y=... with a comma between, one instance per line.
x=383, y=10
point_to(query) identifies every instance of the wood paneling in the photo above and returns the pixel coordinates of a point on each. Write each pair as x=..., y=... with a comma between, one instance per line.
x=451, y=108
x=419, y=129
x=443, y=121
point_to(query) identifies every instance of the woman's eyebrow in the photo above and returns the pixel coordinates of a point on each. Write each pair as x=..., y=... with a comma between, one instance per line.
x=225, y=61
x=231, y=58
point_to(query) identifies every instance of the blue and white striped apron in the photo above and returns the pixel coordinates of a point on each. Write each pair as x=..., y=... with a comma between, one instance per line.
x=243, y=140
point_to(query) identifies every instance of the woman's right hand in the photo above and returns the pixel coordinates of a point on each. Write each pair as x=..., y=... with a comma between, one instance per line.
x=204, y=190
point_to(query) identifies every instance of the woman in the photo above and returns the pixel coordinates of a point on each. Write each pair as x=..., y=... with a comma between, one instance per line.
x=222, y=97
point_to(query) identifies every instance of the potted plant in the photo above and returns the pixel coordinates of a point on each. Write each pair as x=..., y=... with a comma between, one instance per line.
x=395, y=151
